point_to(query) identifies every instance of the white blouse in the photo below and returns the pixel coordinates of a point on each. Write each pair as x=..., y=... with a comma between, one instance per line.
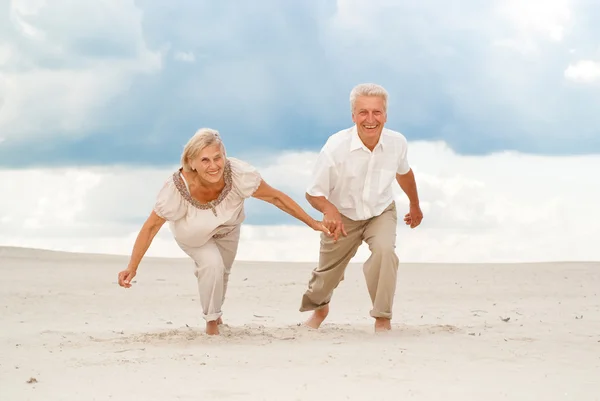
x=193, y=223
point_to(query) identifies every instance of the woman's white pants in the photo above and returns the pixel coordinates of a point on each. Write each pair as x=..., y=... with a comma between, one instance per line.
x=213, y=263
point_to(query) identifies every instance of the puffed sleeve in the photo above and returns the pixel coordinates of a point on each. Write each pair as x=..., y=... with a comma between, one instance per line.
x=245, y=178
x=169, y=204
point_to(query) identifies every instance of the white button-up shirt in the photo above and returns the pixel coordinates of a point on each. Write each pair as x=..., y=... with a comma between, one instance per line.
x=354, y=179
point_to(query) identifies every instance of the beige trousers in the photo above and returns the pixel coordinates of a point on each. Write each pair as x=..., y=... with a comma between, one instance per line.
x=213, y=263
x=380, y=270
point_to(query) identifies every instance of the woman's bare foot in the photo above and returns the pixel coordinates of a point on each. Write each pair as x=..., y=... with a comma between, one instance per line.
x=317, y=317
x=382, y=324
x=212, y=328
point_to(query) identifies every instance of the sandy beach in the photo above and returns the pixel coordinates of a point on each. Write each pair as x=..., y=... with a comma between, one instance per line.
x=460, y=332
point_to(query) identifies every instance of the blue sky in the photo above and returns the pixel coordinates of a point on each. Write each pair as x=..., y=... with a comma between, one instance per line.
x=275, y=76
x=114, y=84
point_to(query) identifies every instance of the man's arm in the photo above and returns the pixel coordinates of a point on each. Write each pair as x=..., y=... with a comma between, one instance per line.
x=319, y=202
x=409, y=185
x=319, y=189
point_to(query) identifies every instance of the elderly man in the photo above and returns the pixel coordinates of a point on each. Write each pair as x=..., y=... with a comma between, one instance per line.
x=352, y=187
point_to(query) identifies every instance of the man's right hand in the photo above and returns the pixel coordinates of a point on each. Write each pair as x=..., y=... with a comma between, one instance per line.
x=333, y=221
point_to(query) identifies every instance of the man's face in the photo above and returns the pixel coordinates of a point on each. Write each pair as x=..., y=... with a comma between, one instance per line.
x=369, y=116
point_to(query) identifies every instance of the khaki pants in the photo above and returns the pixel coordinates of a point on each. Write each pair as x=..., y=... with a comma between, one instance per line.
x=213, y=263
x=380, y=270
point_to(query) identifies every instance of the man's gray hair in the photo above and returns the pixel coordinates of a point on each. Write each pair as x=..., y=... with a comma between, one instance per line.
x=368, y=89
x=202, y=138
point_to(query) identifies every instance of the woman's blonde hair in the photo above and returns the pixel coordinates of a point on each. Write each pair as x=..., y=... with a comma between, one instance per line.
x=202, y=138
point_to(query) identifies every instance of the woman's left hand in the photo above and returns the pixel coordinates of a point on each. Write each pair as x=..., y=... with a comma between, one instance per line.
x=320, y=226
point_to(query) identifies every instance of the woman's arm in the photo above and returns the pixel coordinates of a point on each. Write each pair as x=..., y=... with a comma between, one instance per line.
x=277, y=198
x=147, y=233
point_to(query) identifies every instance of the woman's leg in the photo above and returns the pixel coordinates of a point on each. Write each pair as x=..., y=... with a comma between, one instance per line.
x=210, y=271
x=228, y=246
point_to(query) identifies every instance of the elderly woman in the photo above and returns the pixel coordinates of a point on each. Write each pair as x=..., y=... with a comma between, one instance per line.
x=203, y=201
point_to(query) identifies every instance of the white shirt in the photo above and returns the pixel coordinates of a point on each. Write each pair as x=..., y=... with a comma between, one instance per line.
x=354, y=179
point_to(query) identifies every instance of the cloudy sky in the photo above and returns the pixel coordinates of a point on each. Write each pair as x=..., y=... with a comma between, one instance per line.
x=498, y=100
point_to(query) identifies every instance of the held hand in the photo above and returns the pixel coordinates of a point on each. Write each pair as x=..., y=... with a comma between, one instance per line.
x=320, y=226
x=414, y=216
x=125, y=277
x=329, y=225
x=333, y=220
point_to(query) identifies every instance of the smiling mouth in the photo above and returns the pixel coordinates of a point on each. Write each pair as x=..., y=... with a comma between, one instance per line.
x=212, y=173
x=370, y=126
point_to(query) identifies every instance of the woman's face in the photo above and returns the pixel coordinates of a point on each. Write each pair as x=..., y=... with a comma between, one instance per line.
x=210, y=163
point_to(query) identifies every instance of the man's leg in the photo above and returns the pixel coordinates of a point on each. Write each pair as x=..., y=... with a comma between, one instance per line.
x=381, y=268
x=333, y=259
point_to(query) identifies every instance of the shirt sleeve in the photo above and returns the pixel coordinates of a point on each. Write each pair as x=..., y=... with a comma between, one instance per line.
x=403, y=166
x=169, y=204
x=323, y=176
x=245, y=178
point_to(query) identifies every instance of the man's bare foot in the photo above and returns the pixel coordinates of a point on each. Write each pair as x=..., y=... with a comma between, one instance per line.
x=382, y=324
x=219, y=321
x=317, y=317
x=212, y=328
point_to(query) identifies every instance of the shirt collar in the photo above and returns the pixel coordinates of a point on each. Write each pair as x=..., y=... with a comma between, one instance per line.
x=356, y=143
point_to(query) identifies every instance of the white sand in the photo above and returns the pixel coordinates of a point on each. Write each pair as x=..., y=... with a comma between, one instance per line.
x=67, y=324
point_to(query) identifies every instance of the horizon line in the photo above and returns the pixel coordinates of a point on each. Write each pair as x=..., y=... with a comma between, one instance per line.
x=32, y=251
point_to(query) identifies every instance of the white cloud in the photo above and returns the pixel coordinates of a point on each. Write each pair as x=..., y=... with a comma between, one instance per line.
x=54, y=71
x=28, y=7
x=498, y=208
x=491, y=69
x=532, y=23
x=546, y=18
x=5, y=53
x=583, y=71
x=187, y=57
x=516, y=22
x=449, y=68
